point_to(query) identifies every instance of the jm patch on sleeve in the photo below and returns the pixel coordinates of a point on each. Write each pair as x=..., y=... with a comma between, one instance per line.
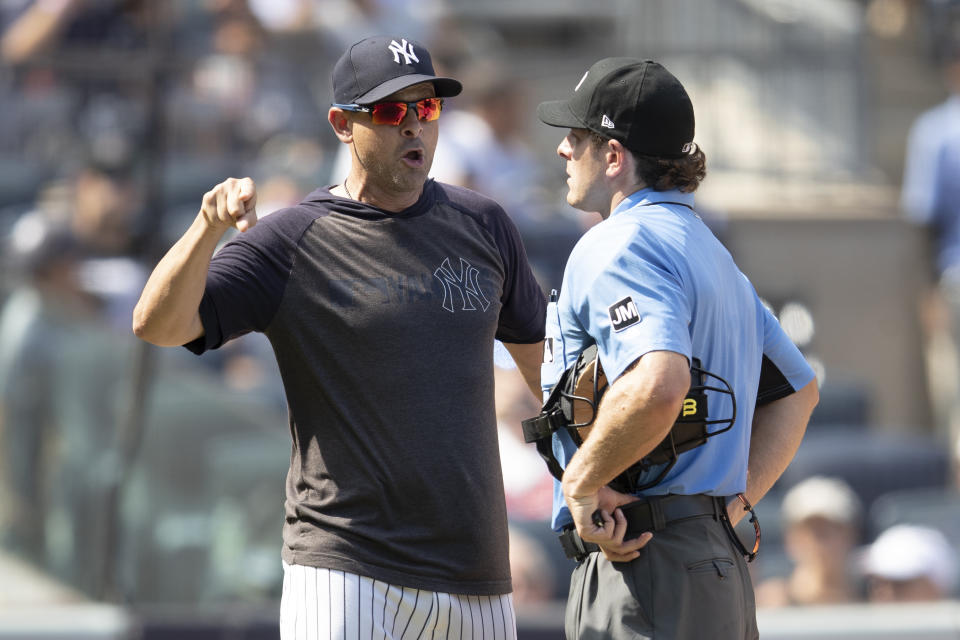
x=623, y=314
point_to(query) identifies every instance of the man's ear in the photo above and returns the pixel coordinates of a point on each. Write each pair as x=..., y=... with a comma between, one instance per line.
x=341, y=124
x=616, y=157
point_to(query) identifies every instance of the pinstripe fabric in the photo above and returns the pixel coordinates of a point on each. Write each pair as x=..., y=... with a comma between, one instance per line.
x=323, y=604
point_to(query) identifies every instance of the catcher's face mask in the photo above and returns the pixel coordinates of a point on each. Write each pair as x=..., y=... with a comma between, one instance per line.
x=573, y=404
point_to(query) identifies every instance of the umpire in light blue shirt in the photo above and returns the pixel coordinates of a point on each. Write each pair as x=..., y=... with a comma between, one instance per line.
x=666, y=307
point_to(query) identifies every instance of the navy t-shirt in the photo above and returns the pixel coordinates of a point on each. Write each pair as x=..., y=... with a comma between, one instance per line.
x=383, y=327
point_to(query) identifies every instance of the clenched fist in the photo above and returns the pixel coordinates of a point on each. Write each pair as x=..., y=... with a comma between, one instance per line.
x=232, y=203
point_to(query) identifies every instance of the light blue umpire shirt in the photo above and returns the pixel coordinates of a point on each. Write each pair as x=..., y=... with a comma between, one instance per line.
x=653, y=277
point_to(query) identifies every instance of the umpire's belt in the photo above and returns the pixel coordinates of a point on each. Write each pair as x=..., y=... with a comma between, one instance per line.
x=652, y=514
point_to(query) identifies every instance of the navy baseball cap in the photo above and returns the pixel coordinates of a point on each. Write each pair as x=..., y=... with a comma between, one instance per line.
x=376, y=67
x=637, y=102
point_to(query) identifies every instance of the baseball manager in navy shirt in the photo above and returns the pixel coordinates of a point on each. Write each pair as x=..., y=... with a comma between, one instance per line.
x=707, y=398
x=381, y=297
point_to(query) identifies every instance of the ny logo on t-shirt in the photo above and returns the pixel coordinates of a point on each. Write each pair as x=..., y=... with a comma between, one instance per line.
x=466, y=286
x=623, y=314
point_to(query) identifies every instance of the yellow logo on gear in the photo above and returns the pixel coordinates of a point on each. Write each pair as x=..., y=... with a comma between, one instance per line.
x=689, y=407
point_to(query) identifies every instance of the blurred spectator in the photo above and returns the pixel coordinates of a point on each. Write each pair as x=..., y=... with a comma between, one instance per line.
x=103, y=206
x=287, y=166
x=61, y=373
x=347, y=21
x=37, y=27
x=821, y=528
x=531, y=569
x=237, y=92
x=31, y=27
x=249, y=367
x=67, y=95
x=910, y=563
x=485, y=146
x=45, y=258
x=41, y=314
x=931, y=197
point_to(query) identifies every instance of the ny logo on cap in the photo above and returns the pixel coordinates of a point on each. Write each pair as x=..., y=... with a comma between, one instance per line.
x=405, y=49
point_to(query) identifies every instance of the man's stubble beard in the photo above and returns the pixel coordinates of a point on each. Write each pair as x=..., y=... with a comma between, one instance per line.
x=404, y=180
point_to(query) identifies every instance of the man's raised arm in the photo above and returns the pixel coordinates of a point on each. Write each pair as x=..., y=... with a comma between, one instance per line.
x=167, y=313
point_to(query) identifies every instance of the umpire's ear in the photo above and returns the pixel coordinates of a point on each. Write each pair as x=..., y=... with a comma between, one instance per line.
x=340, y=121
x=617, y=158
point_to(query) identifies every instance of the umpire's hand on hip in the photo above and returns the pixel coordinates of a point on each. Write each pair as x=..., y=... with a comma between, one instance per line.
x=232, y=203
x=599, y=520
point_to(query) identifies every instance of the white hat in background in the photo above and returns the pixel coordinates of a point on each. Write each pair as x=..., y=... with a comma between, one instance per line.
x=820, y=496
x=905, y=552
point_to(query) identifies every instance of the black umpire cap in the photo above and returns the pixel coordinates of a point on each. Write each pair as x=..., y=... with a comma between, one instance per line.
x=376, y=67
x=637, y=102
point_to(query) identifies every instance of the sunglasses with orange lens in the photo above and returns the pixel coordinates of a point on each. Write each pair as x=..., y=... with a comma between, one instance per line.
x=393, y=113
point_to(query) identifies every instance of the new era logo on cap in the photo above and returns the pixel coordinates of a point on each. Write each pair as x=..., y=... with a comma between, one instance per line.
x=637, y=102
x=623, y=314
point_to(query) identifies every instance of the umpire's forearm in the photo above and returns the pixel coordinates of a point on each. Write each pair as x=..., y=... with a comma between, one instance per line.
x=636, y=413
x=777, y=431
x=167, y=313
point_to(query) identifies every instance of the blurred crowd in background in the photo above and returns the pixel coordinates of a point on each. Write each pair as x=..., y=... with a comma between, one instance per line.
x=151, y=476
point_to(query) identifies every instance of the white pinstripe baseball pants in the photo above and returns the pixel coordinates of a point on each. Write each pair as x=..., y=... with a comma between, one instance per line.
x=323, y=604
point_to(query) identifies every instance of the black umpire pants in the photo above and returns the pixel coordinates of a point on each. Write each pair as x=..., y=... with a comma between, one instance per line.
x=689, y=582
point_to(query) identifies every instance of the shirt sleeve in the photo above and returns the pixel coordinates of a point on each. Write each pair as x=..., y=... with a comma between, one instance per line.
x=635, y=304
x=784, y=369
x=246, y=280
x=523, y=310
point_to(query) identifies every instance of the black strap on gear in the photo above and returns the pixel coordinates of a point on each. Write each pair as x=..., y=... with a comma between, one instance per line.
x=558, y=412
x=690, y=430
